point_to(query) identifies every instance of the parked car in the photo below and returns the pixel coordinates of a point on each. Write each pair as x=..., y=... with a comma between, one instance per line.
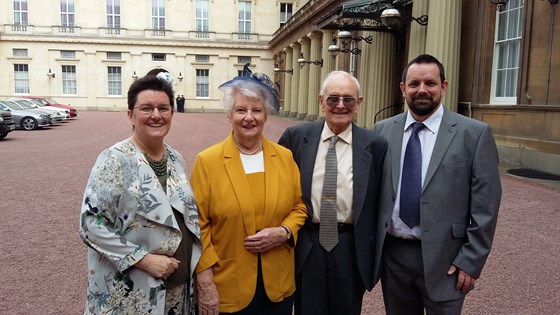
x=56, y=115
x=26, y=119
x=48, y=101
x=7, y=123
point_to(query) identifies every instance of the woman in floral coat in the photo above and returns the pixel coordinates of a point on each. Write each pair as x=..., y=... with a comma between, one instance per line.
x=139, y=217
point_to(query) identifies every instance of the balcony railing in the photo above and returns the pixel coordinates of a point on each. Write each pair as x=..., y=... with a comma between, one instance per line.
x=19, y=28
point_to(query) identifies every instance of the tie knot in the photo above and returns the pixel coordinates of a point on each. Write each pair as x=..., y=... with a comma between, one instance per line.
x=334, y=139
x=417, y=126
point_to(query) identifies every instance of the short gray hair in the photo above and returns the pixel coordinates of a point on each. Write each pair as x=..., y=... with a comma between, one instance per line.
x=248, y=89
x=332, y=75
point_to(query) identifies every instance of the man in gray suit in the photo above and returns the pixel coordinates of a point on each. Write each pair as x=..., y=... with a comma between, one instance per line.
x=332, y=280
x=434, y=237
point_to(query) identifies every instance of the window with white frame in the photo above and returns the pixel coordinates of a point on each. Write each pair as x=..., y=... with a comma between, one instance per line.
x=19, y=52
x=201, y=58
x=243, y=59
x=67, y=18
x=114, y=55
x=202, y=22
x=244, y=18
x=114, y=14
x=70, y=54
x=21, y=15
x=507, y=53
x=285, y=12
x=69, y=85
x=202, y=82
x=114, y=80
x=158, y=14
x=21, y=78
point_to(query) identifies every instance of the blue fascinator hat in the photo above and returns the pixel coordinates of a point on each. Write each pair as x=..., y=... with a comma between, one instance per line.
x=259, y=83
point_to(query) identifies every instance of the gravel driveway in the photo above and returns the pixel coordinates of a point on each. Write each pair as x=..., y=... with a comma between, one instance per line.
x=43, y=260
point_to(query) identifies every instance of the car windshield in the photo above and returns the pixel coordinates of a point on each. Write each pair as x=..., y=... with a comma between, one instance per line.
x=24, y=104
x=51, y=101
x=11, y=105
x=37, y=102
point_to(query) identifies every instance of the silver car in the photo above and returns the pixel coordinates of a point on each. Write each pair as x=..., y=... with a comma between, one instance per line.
x=56, y=116
x=26, y=119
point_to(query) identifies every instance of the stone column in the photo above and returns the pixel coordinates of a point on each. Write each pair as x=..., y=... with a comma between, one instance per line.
x=377, y=78
x=329, y=63
x=287, y=81
x=296, y=49
x=417, y=39
x=443, y=42
x=314, y=76
x=303, y=79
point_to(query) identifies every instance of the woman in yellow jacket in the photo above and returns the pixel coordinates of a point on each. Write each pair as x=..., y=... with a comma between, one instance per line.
x=250, y=208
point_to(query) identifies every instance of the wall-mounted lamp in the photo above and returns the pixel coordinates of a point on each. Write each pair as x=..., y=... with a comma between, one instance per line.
x=392, y=18
x=277, y=70
x=134, y=76
x=346, y=38
x=500, y=4
x=301, y=61
x=180, y=77
x=334, y=49
x=50, y=74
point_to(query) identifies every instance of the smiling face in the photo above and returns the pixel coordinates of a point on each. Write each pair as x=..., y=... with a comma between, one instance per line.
x=423, y=89
x=247, y=118
x=151, y=127
x=340, y=115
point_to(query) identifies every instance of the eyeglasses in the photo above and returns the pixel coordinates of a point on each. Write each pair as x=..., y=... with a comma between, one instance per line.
x=348, y=101
x=148, y=110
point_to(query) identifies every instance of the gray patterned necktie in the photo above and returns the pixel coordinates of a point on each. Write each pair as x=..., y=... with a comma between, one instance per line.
x=328, y=231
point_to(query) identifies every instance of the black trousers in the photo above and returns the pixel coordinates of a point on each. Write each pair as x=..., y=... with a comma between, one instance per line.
x=330, y=283
x=261, y=304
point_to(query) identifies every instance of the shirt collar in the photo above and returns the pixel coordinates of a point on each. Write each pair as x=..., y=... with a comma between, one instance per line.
x=345, y=136
x=432, y=123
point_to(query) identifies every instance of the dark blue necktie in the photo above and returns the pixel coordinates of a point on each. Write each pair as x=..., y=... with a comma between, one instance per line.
x=411, y=181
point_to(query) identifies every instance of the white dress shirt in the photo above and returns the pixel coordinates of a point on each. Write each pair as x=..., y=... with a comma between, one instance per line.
x=427, y=138
x=344, y=179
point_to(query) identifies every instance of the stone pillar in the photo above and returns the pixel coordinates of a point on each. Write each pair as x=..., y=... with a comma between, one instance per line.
x=417, y=39
x=443, y=42
x=329, y=63
x=303, y=79
x=287, y=81
x=314, y=76
x=296, y=49
x=377, y=78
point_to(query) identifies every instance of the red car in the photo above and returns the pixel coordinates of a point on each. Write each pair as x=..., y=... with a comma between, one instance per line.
x=51, y=102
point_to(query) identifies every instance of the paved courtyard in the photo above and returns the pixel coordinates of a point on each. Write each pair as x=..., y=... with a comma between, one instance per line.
x=43, y=260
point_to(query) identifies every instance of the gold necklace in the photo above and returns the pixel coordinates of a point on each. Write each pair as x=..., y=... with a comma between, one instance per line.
x=257, y=150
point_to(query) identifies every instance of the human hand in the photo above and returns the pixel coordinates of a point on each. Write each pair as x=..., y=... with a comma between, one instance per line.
x=265, y=239
x=465, y=282
x=158, y=266
x=208, y=297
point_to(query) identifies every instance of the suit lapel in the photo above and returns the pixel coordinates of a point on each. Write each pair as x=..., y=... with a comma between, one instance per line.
x=361, y=161
x=446, y=133
x=308, y=154
x=394, y=139
x=240, y=184
x=271, y=180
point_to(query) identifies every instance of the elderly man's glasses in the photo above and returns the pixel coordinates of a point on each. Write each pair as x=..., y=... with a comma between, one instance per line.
x=348, y=101
x=148, y=110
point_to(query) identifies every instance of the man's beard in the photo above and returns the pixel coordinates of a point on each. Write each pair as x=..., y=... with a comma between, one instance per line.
x=423, y=109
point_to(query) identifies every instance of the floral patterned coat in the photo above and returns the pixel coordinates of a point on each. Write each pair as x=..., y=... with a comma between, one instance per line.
x=127, y=214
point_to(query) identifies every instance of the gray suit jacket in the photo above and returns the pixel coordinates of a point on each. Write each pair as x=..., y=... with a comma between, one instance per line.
x=368, y=155
x=459, y=202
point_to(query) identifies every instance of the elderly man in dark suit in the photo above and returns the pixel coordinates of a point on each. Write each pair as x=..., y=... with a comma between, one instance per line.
x=340, y=165
x=440, y=198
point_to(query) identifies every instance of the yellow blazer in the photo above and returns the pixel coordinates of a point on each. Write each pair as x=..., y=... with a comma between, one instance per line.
x=227, y=216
